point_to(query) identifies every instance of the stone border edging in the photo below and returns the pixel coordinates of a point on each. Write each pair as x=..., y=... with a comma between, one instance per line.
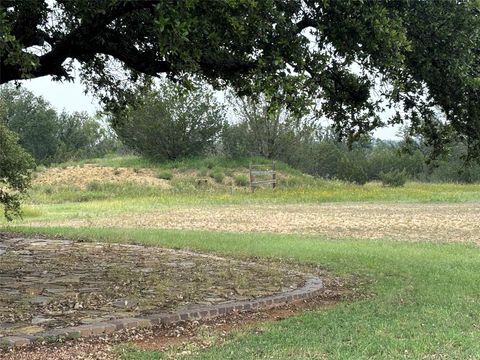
x=313, y=287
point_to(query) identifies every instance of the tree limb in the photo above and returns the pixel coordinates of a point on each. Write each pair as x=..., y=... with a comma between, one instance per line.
x=71, y=45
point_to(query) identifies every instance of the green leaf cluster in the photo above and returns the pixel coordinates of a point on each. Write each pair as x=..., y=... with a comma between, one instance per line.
x=16, y=166
x=354, y=58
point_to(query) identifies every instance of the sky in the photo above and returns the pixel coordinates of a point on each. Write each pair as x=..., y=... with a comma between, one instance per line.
x=70, y=96
x=67, y=96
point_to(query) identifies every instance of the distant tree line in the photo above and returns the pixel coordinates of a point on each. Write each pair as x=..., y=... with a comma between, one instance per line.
x=168, y=122
x=50, y=136
x=319, y=152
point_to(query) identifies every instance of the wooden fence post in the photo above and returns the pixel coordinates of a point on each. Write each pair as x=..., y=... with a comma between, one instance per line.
x=251, y=177
x=274, y=175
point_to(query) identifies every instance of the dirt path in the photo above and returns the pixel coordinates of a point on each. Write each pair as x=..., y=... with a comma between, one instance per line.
x=415, y=222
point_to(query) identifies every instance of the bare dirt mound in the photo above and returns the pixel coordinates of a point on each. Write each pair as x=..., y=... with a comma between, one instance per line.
x=82, y=176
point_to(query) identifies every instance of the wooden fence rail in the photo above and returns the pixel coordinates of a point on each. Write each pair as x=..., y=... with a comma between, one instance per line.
x=257, y=171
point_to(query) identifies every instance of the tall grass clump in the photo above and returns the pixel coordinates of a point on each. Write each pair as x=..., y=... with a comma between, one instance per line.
x=241, y=180
x=218, y=175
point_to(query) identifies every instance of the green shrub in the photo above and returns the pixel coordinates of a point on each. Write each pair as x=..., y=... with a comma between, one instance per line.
x=49, y=190
x=394, y=178
x=166, y=175
x=16, y=166
x=170, y=123
x=351, y=171
x=236, y=140
x=218, y=176
x=40, y=168
x=241, y=180
x=210, y=163
x=325, y=159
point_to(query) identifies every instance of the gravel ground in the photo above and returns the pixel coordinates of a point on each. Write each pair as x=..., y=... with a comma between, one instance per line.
x=414, y=222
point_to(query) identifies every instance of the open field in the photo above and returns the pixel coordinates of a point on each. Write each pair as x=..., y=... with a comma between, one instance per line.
x=128, y=182
x=413, y=250
x=85, y=176
x=415, y=222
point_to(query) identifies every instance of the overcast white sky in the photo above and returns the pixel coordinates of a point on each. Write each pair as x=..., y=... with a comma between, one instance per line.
x=67, y=95
x=70, y=96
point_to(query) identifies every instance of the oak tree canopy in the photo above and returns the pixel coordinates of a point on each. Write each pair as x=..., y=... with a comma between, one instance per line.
x=420, y=57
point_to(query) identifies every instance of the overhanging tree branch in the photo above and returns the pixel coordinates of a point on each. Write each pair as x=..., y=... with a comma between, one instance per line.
x=70, y=46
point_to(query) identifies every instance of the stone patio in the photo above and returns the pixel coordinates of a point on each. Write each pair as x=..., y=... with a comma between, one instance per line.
x=48, y=284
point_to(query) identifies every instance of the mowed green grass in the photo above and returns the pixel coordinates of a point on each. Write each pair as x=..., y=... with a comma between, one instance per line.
x=425, y=301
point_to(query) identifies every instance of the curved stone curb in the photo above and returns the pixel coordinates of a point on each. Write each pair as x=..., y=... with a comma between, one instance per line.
x=312, y=288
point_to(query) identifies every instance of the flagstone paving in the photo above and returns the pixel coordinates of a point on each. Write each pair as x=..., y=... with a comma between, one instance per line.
x=50, y=283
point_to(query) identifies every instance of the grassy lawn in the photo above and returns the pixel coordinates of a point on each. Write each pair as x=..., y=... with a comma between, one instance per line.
x=425, y=303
